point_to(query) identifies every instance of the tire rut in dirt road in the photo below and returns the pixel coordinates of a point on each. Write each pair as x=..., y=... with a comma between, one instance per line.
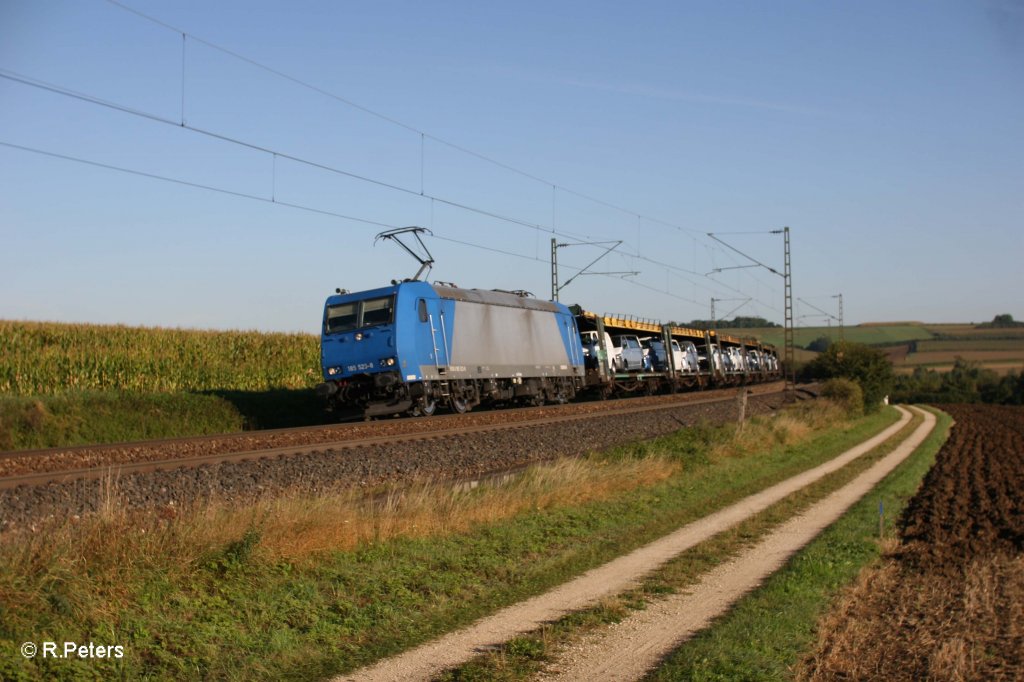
x=634, y=646
x=451, y=650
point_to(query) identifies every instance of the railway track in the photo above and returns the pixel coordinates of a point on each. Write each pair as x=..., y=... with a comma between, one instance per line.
x=56, y=465
x=169, y=476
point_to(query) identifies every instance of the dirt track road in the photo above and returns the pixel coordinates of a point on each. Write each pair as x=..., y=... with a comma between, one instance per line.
x=432, y=658
x=634, y=646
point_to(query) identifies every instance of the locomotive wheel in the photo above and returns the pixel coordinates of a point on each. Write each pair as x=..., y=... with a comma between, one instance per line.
x=425, y=408
x=458, y=405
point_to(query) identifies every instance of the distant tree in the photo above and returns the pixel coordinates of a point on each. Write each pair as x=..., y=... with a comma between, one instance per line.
x=820, y=344
x=923, y=381
x=967, y=382
x=742, y=322
x=865, y=365
x=963, y=383
x=1001, y=321
x=739, y=322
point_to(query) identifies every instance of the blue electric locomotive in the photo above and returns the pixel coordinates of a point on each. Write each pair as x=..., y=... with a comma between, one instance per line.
x=412, y=346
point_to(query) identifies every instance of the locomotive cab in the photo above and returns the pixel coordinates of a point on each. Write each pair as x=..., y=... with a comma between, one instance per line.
x=358, y=346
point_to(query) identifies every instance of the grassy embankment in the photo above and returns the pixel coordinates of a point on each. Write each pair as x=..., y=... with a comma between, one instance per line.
x=67, y=384
x=304, y=587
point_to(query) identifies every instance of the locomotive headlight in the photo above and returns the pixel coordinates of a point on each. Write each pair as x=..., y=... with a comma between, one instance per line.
x=387, y=362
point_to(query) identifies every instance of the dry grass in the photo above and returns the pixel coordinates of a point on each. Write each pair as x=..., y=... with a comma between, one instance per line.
x=297, y=526
x=897, y=624
x=103, y=548
x=300, y=524
x=787, y=428
x=98, y=553
x=214, y=589
x=91, y=569
x=294, y=526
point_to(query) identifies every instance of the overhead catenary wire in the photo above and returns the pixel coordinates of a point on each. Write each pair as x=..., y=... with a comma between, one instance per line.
x=756, y=262
x=182, y=122
x=703, y=286
x=274, y=154
x=300, y=207
x=491, y=249
x=389, y=119
x=188, y=183
x=822, y=312
x=60, y=90
x=424, y=135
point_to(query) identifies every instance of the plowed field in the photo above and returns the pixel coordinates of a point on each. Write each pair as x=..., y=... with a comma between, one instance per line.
x=948, y=602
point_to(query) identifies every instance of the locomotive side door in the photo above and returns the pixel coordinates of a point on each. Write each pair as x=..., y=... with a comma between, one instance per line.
x=433, y=336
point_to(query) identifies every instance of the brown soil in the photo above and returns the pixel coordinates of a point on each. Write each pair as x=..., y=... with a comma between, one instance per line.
x=897, y=355
x=950, y=356
x=948, y=602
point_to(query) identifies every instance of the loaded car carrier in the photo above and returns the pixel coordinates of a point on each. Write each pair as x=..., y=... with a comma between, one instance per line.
x=674, y=370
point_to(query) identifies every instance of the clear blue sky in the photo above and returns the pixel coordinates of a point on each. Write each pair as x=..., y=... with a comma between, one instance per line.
x=888, y=136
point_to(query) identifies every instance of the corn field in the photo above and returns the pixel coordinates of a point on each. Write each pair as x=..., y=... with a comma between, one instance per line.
x=42, y=358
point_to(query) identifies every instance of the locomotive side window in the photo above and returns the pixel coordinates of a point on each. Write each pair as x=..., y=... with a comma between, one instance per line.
x=421, y=306
x=343, y=317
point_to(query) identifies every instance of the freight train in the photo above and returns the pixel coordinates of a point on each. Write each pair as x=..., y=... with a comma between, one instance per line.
x=412, y=347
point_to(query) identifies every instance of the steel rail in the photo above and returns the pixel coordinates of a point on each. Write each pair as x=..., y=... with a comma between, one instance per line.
x=121, y=468
x=328, y=429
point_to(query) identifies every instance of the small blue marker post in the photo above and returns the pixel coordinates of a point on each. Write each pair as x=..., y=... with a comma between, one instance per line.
x=881, y=518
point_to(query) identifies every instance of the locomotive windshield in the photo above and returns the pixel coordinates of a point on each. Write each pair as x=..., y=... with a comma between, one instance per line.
x=345, y=317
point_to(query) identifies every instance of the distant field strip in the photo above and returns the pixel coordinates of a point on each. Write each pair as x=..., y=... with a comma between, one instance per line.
x=41, y=358
x=961, y=338
x=969, y=346
x=871, y=335
x=1000, y=368
x=971, y=332
x=982, y=356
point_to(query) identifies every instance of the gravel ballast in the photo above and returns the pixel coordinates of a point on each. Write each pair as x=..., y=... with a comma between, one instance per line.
x=436, y=458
